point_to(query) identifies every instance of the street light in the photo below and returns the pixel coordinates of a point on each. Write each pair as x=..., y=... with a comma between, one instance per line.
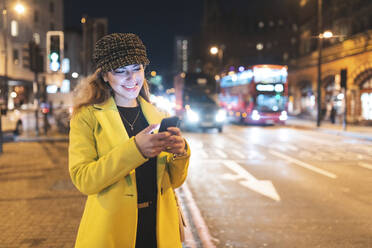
x=326, y=35
x=20, y=8
x=213, y=50
x=320, y=44
x=218, y=50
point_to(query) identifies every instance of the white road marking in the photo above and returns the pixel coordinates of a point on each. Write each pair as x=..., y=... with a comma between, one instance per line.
x=253, y=155
x=202, y=153
x=263, y=187
x=291, y=147
x=365, y=165
x=303, y=164
x=221, y=153
x=238, y=154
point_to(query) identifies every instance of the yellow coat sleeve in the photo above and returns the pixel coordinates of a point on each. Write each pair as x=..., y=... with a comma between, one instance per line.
x=89, y=172
x=177, y=168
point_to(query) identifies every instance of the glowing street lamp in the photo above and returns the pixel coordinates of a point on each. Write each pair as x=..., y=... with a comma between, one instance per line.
x=20, y=8
x=213, y=50
x=327, y=34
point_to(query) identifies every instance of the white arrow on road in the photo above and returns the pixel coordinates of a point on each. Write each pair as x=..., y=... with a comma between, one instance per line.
x=263, y=187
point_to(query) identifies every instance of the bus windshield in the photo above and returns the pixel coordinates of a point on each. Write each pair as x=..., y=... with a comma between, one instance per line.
x=270, y=102
x=196, y=97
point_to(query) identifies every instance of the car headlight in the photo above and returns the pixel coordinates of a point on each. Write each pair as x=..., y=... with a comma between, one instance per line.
x=192, y=116
x=221, y=115
x=255, y=115
x=283, y=116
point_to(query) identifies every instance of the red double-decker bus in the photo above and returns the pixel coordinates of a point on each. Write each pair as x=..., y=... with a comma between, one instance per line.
x=255, y=95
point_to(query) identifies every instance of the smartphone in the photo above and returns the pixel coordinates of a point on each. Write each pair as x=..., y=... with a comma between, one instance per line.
x=169, y=122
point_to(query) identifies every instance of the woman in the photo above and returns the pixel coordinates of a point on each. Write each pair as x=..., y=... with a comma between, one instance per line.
x=116, y=157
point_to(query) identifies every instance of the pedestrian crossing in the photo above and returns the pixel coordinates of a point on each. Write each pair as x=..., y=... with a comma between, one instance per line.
x=240, y=147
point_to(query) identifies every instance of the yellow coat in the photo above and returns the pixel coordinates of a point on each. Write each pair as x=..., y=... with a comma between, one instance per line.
x=102, y=163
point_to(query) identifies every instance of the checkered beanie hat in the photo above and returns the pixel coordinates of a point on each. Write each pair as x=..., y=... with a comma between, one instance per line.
x=117, y=50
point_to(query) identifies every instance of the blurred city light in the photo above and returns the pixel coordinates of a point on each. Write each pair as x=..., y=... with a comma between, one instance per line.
x=75, y=75
x=213, y=50
x=153, y=73
x=19, y=8
x=83, y=20
x=13, y=94
x=327, y=34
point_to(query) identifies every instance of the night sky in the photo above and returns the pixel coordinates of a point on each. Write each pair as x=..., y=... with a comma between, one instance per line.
x=156, y=22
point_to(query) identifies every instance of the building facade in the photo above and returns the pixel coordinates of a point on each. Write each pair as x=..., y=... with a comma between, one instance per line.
x=182, y=47
x=93, y=30
x=21, y=24
x=248, y=33
x=350, y=50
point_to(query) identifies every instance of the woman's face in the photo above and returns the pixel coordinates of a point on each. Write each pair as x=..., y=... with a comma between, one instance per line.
x=126, y=81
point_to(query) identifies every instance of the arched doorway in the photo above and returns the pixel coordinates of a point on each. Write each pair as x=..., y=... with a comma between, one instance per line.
x=307, y=99
x=332, y=100
x=365, y=88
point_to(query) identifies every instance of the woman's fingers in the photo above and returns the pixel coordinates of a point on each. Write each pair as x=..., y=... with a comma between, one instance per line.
x=175, y=131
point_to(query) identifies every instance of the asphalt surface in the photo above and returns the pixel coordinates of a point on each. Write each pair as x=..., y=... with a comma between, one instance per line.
x=253, y=186
x=282, y=187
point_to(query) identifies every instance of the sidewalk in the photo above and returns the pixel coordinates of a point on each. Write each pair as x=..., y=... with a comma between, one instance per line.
x=39, y=205
x=30, y=136
x=52, y=135
x=354, y=131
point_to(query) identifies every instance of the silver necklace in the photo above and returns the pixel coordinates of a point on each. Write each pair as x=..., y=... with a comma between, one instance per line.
x=130, y=124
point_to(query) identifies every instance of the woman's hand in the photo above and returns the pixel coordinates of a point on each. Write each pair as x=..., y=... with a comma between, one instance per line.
x=175, y=143
x=150, y=145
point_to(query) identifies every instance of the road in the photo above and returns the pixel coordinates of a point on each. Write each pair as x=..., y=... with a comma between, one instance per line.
x=253, y=187
x=282, y=187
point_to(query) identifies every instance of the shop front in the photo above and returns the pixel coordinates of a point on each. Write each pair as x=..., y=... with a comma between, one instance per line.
x=366, y=99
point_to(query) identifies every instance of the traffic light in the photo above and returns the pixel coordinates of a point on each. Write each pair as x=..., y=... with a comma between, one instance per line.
x=36, y=60
x=54, y=50
x=343, y=78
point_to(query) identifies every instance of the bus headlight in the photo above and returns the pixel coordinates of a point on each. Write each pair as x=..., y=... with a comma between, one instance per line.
x=192, y=116
x=255, y=115
x=221, y=115
x=283, y=116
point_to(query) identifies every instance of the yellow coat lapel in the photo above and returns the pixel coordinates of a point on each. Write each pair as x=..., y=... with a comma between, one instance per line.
x=108, y=116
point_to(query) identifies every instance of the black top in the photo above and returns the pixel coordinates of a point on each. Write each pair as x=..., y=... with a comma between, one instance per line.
x=145, y=173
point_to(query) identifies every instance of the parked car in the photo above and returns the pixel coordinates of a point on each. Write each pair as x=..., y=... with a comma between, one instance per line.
x=20, y=120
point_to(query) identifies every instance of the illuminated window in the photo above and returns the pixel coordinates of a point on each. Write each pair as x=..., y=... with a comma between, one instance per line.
x=65, y=86
x=14, y=28
x=366, y=99
x=36, y=37
x=285, y=56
